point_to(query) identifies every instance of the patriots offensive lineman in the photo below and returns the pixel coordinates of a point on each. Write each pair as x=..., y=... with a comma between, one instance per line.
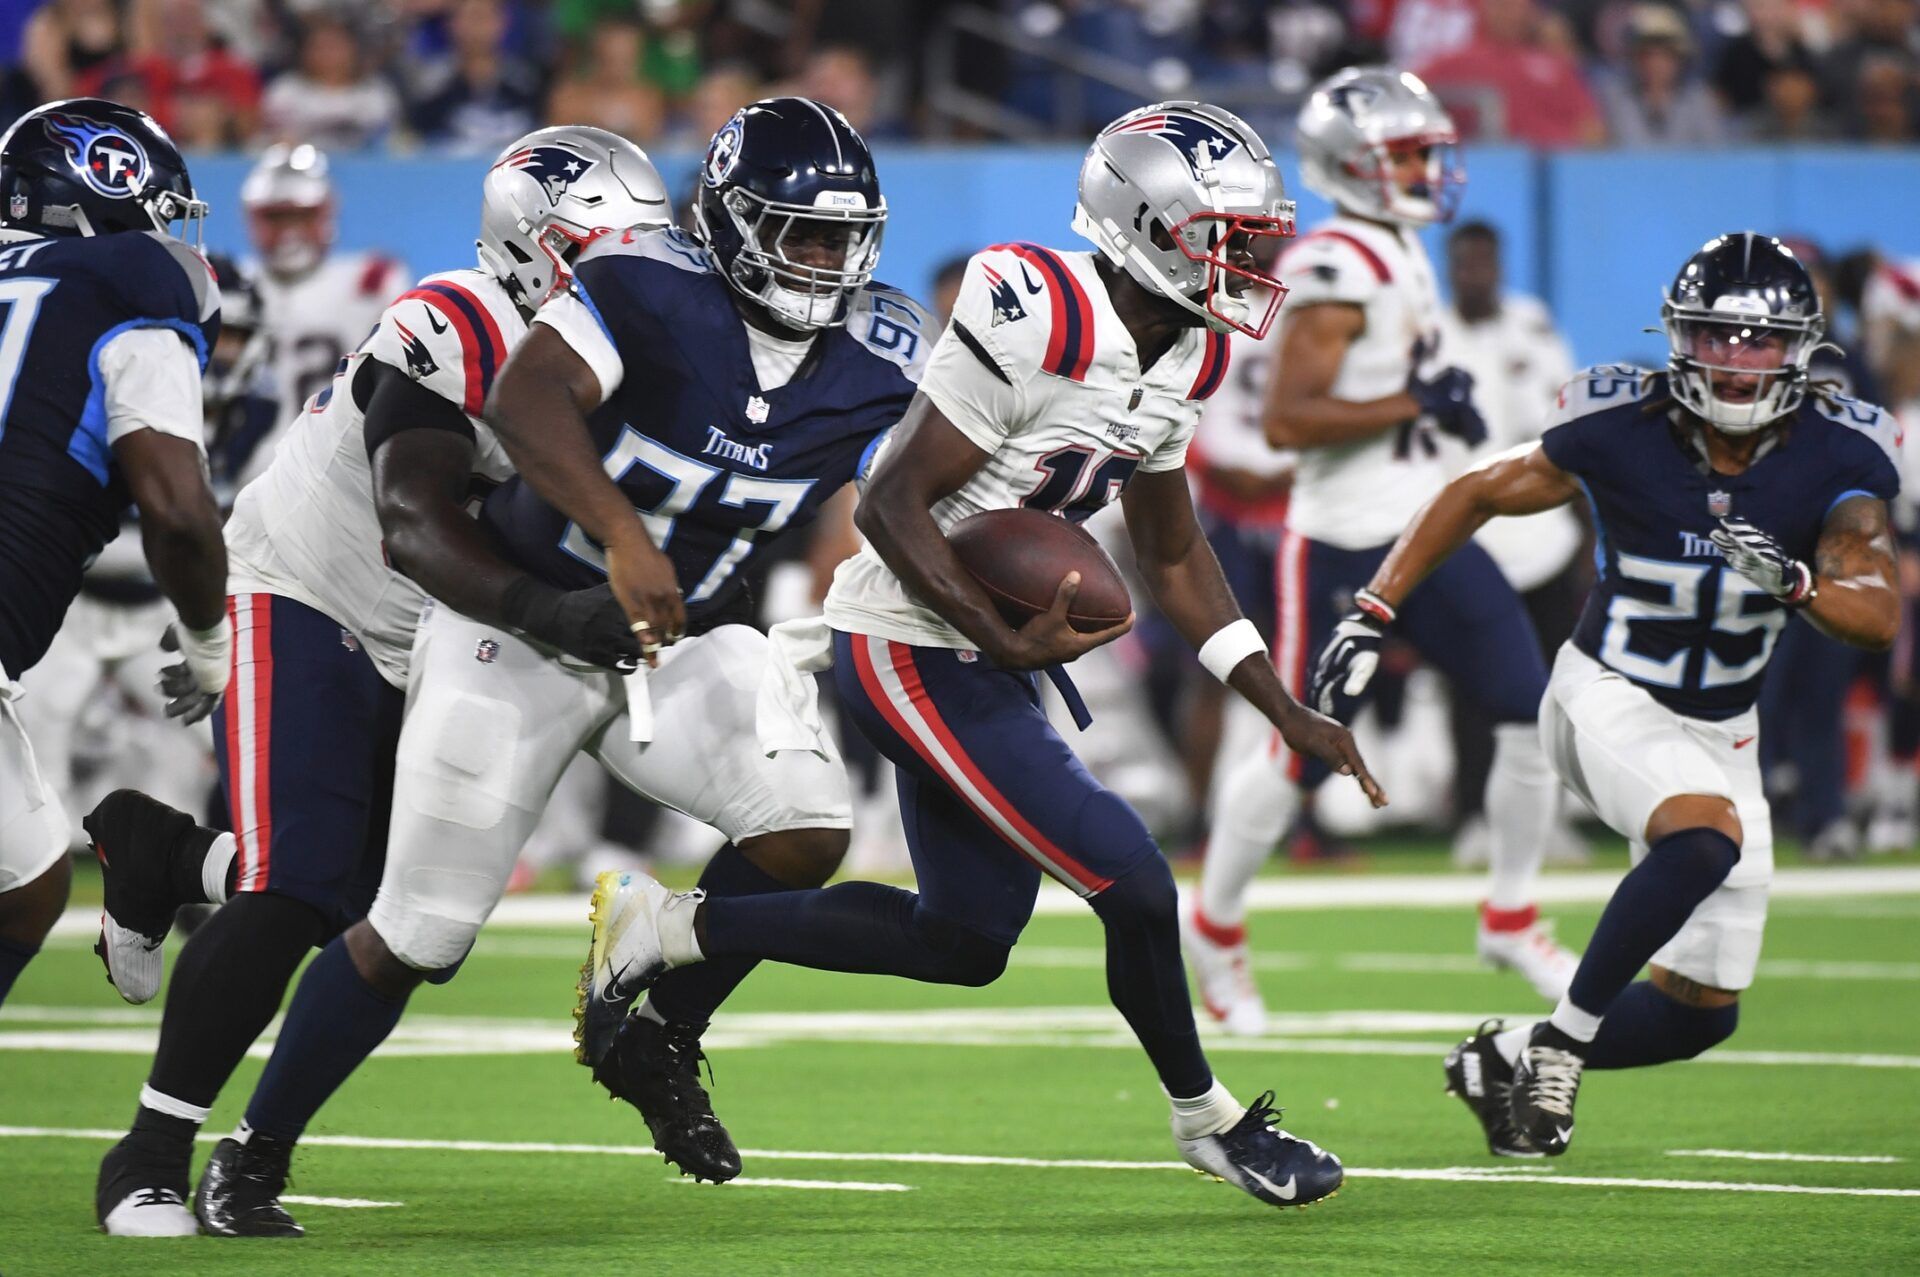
x=105, y=322
x=1063, y=381
x=1360, y=389
x=1729, y=493
x=359, y=514
x=682, y=406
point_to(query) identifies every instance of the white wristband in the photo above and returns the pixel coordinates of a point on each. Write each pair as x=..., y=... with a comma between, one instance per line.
x=1230, y=645
x=208, y=654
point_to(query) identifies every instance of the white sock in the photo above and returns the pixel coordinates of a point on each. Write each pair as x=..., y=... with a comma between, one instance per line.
x=161, y=1102
x=1522, y=795
x=1510, y=1042
x=1257, y=802
x=1207, y=1114
x=213, y=870
x=1572, y=1021
x=678, y=944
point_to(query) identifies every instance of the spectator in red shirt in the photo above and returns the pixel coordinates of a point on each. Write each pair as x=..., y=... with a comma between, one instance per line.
x=1523, y=63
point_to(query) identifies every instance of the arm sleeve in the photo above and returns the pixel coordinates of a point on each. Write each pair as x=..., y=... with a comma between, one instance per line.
x=151, y=381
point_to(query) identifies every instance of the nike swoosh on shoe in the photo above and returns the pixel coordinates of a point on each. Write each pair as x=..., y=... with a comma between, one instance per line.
x=1285, y=1193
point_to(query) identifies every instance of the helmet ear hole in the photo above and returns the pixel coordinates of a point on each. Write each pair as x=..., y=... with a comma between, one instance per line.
x=1159, y=236
x=519, y=254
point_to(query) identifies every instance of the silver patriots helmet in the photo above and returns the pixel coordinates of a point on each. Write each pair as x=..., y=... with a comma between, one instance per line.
x=1743, y=321
x=1187, y=200
x=1355, y=128
x=552, y=193
x=288, y=198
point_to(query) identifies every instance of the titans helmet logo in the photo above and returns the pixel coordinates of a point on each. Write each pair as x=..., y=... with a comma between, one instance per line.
x=554, y=167
x=724, y=153
x=1201, y=143
x=107, y=160
x=1006, y=302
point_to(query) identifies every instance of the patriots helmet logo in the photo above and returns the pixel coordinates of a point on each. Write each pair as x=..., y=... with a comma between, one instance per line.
x=554, y=167
x=1203, y=143
x=107, y=160
x=1006, y=302
x=420, y=363
x=1353, y=99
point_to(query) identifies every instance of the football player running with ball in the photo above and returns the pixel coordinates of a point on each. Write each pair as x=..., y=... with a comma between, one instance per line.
x=1729, y=494
x=1065, y=380
x=1363, y=390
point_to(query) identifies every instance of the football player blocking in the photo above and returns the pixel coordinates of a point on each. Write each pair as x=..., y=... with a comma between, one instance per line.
x=332, y=549
x=1065, y=380
x=1728, y=494
x=1360, y=388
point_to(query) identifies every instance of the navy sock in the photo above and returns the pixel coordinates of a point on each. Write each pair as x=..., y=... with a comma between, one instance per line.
x=335, y=1021
x=1648, y=909
x=1146, y=978
x=13, y=960
x=861, y=927
x=1644, y=1026
x=692, y=994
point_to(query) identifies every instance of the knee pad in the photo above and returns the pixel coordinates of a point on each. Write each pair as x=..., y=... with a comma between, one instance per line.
x=458, y=752
x=1144, y=894
x=436, y=922
x=968, y=957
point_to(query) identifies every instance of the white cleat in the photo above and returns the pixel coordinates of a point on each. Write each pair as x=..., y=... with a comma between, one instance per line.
x=1533, y=952
x=150, y=1212
x=629, y=913
x=135, y=962
x=1225, y=975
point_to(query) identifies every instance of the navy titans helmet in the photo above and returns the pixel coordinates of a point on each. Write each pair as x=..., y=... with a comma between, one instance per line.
x=1743, y=321
x=87, y=166
x=786, y=175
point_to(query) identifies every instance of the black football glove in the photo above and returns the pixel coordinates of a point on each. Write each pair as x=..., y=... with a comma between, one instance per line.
x=1447, y=400
x=589, y=625
x=1764, y=561
x=1349, y=659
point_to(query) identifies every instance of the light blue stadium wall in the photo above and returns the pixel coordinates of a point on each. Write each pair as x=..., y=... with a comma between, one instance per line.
x=1597, y=234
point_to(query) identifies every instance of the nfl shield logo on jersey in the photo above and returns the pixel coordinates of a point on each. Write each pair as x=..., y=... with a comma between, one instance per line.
x=757, y=410
x=1719, y=503
x=487, y=651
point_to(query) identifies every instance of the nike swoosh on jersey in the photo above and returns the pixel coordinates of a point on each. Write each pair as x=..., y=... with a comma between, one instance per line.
x=434, y=320
x=1026, y=273
x=1743, y=742
x=1285, y=1192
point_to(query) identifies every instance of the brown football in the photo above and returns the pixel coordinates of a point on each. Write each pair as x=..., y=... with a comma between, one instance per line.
x=1020, y=556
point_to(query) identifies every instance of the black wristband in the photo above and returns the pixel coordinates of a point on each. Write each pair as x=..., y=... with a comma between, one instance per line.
x=530, y=605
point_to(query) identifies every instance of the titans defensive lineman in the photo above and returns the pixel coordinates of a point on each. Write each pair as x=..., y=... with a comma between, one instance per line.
x=1728, y=494
x=1063, y=381
x=685, y=403
x=105, y=324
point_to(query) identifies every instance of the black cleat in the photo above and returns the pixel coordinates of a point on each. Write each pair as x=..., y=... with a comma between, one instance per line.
x=134, y=837
x=1482, y=1078
x=141, y=1196
x=656, y=1068
x=1260, y=1159
x=1545, y=1082
x=240, y=1189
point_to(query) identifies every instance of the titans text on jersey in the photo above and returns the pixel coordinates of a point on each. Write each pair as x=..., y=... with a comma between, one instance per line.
x=1667, y=612
x=716, y=462
x=63, y=302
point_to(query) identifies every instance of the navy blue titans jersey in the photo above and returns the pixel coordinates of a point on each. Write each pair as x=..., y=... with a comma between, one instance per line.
x=1667, y=612
x=717, y=465
x=62, y=301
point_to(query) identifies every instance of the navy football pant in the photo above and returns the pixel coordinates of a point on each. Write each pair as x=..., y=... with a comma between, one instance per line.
x=1465, y=620
x=1803, y=721
x=305, y=739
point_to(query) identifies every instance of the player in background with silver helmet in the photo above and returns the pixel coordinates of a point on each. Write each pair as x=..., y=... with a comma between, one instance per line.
x=319, y=304
x=1063, y=381
x=334, y=550
x=1364, y=392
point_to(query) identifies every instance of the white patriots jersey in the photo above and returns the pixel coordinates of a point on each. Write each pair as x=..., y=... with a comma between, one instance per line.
x=314, y=321
x=1232, y=436
x=1040, y=373
x=307, y=528
x=1363, y=494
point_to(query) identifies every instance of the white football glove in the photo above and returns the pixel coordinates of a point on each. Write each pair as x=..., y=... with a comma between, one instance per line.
x=1764, y=561
x=194, y=686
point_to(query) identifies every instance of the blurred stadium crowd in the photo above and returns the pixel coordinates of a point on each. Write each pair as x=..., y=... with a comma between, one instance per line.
x=468, y=75
x=472, y=74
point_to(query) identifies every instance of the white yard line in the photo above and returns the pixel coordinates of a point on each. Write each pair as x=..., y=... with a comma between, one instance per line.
x=842, y=1185
x=344, y=1203
x=1739, y=1155
x=1445, y=1174
x=1374, y=891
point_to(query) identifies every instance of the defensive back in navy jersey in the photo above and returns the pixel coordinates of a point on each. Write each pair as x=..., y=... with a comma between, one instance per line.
x=716, y=465
x=61, y=301
x=1667, y=612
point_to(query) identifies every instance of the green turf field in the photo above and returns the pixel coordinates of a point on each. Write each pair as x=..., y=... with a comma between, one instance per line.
x=892, y=1127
